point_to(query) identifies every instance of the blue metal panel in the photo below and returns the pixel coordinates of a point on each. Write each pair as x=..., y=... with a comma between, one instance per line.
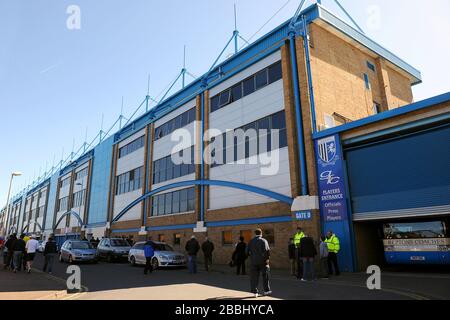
x=134, y=230
x=101, y=170
x=385, y=115
x=404, y=173
x=174, y=227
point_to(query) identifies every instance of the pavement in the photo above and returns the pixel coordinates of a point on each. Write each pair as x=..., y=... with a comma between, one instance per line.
x=120, y=281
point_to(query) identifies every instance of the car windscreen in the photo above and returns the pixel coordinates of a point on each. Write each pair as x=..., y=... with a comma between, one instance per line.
x=417, y=230
x=162, y=247
x=81, y=245
x=119, y=243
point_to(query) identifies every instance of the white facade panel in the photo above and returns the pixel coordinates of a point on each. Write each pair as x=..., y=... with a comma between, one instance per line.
x=189, y=105
x=132, y=138
x=131, y=161
x=165, y=183
x=123, y=200
x=163, y=147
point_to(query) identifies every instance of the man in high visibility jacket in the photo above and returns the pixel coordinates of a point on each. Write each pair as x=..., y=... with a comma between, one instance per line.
x=333, y=245
x=297, y=239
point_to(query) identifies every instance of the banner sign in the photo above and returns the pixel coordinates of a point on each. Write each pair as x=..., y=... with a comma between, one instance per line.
x=330, y=172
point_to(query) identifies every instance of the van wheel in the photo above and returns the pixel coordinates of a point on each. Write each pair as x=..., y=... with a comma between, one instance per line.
x=133, y=261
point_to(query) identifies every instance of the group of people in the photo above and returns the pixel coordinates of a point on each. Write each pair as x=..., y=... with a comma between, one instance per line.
x=302, y=254
x=19, y=252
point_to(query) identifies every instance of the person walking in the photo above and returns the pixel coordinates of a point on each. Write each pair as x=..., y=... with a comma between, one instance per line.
x=240, y=256
x=259, y=252
x=292, y=255
x=19, y=251
x=9, y=244
x=307, y=252
x=24, y=257
x=192, y=248
x=297, y=239
x=149, y=253
x=208, y=248
x=323, y=253
x=31, y=248
x=50, y=252
x=333, y=245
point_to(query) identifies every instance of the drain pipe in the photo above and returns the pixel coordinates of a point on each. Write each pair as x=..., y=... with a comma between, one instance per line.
x=298, y=114
x=202, y=171
x=309, y=72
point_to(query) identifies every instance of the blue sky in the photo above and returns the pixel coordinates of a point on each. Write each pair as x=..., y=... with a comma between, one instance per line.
x=56, y=82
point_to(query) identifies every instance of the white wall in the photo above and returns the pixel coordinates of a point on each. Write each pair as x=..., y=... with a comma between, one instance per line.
x=123, y=200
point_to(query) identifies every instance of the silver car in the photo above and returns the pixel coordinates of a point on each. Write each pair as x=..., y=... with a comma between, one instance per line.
x=165, y=256
x=77, y=251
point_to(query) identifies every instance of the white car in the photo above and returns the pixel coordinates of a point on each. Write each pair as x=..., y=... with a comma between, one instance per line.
x=165, y=256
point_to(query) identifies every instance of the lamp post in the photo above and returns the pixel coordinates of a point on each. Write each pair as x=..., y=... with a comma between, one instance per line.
x=6, y=220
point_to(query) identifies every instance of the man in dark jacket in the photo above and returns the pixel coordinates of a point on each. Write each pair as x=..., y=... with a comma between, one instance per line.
x=292, y=255
x=192, y=248
x=240, y=255
x=307, y=251
x=19, y=252
x=259, y=252
x=208, y=248
x=10, y=253
x=50, y=252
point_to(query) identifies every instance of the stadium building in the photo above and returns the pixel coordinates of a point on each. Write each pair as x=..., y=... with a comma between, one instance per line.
x=354, y=151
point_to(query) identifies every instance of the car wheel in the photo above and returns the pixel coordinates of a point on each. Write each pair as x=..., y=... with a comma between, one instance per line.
x=133, y=261
x=155, y=263
x=110, y=258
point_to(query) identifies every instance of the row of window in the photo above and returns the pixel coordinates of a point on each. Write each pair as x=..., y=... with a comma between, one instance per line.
x=63, y=204
x=174, y=202
x=177, y=123
x=164, y=169
x=130, y=181
x=272, y=122
x=81, y=174
x=79, y=198
x=257, y=81
x=132, y=147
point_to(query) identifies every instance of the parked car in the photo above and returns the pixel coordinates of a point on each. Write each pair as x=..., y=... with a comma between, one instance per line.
x=165, y=255
x=113, y=249
x=77, y=251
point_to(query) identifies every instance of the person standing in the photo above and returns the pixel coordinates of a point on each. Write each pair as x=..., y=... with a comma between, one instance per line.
x=9, y=244
x=208, y=248
x=292, y=255
x=307, y=252
x=24, y=258
x=192, y=248
x=240, y=256
x=19, y=251
x=333, y=245
x=149, y=253
x=31, y=248
x=50, y=252
x=259, y=252
x=297, y=239
x=323, y=250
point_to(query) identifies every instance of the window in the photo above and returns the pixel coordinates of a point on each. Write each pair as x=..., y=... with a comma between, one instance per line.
x=130, y=181
x=261, y=79
x=376, y=108
x=269, y=235
x=257, y=81
x=174, y=202
x=177, y=239
x=79, y=199
x=63, y=204
x=178, y=122
x=274, y=121
x=164, y=169
x=370, y=66
x=132, y=147
x=81, y=174
x=227, y=238
x=247, y=234
x=367, y=81
x=249, y=86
